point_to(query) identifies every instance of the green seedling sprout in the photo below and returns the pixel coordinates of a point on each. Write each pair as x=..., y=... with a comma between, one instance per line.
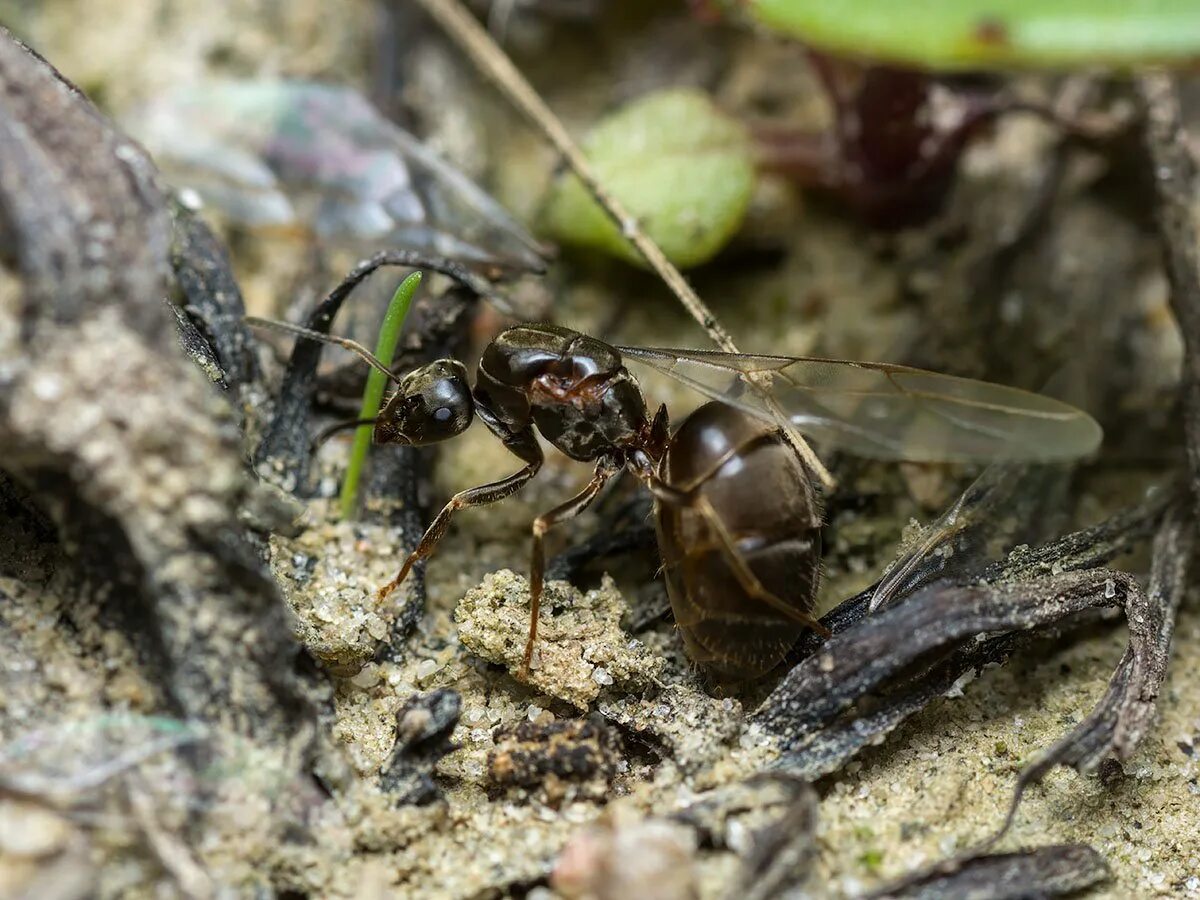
x=385, y=349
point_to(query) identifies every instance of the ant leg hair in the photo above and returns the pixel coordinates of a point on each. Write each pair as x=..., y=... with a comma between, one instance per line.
x=605, y=469
x=326, y=433
x=523, y=444
x=741, y=570
x=746, y=578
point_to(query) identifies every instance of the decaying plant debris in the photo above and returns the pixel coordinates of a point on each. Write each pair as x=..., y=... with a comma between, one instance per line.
x=1044, y=872
x=201, y=689
x=1016, y=595
x=138, y=464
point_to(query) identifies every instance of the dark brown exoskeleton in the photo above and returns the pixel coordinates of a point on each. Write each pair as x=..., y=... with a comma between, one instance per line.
x=738, y=517
x=577, y=393
x=741, y=597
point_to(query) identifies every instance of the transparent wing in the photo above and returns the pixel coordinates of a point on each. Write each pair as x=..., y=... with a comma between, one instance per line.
x=888, y=412
x=1008, y=504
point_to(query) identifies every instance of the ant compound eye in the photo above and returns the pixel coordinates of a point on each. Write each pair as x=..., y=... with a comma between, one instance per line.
x=442, y=414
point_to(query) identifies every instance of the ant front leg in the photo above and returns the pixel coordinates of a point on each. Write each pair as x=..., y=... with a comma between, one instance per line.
x=523, y=444
x=605, y=469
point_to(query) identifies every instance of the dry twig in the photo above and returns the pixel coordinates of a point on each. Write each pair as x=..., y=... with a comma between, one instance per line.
x=1041, y=872
x=493, y=62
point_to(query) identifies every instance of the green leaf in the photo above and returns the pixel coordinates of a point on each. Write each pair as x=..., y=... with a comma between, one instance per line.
x=385, y=349
x=994, y=33
x=680, y=166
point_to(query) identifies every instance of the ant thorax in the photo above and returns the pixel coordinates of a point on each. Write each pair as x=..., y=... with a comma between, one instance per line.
x=596, y=418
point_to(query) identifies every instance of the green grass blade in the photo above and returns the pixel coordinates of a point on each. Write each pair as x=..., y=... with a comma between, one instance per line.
x=954, y=34
x=385, y=349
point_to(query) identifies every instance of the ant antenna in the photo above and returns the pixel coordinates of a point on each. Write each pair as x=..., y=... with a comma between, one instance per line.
x=299, y=331
x=326, y=433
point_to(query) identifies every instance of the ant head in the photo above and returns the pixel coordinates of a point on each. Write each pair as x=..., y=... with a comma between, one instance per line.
x=431, y=404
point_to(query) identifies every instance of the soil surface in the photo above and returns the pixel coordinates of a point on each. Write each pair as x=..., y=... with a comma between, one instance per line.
x=614, y=733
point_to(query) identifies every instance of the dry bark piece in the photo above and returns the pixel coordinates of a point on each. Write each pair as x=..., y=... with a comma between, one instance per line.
x=1052, y=871
x=423, y=728
x=196, y=346
x=555, y=755
x=836, y=744
x=84, y=222
x=1126, y=711
x=828, y=748
x=1079, y=550
x=933, y=621
x=210, y=298
x=1172, y=167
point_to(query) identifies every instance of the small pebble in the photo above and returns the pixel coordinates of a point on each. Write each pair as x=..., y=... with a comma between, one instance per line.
x=376, y=627
x=738, y=837
x=426, y=668
x=368, y=677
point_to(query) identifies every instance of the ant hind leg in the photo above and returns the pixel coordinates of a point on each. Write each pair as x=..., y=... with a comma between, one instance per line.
x=746, y=577
x=665, y=493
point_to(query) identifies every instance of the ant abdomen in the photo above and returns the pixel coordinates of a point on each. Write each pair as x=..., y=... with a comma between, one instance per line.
x=750, y=503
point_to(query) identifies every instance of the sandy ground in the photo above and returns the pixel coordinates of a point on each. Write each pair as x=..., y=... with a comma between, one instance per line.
x=938, y=784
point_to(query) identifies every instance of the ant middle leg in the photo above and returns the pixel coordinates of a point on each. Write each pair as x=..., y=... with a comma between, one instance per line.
x=524, y=445
x=605, y=469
